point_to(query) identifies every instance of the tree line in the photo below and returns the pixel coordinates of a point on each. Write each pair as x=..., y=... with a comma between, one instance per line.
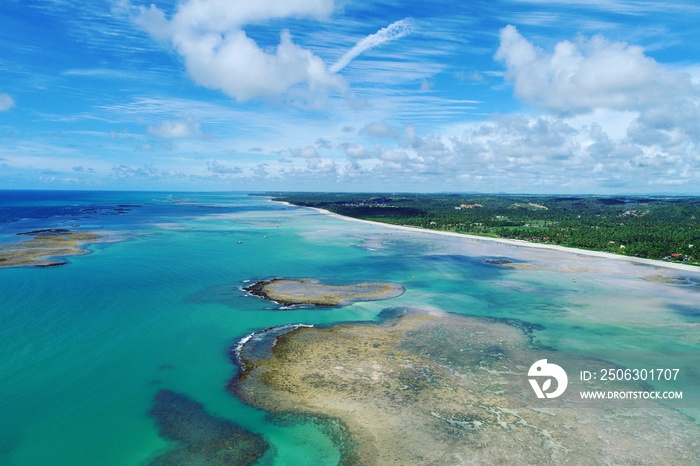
x=655, y=227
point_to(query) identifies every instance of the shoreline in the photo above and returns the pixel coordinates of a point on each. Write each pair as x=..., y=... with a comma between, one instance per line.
x=512, y=242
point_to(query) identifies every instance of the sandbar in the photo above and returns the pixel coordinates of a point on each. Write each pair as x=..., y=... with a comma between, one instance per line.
x=306, y=291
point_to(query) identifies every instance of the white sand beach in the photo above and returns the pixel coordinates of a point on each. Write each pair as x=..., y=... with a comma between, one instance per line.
x=519, y=243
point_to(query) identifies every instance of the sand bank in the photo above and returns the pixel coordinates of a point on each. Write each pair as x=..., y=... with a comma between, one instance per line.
x=290, y=292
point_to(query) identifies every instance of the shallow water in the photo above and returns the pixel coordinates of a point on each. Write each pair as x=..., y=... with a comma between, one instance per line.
x=87, y=346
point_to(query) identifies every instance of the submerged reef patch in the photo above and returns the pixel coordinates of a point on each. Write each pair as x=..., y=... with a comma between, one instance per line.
x=46, y=248
x=432, y=388
x=306, y=291
x=202, y=438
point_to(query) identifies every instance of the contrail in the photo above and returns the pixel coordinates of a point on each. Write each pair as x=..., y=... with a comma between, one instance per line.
x=393, y=31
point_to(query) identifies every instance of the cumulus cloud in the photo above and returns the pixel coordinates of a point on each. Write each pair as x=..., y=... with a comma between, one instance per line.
x=519, y=145
x=308, y=152
x=6, y=102
x=673, y=126
x=222, y=169
x=187, y=127
x=578, y=77
x=145, y=171
x=260, y=170
x=632, y=121
x=323, y=143
x=395, y=30
x=321, y=164
x=524, y=154
x=357, y=151
x=378, y=130
x=313, y=160
x=218, y=54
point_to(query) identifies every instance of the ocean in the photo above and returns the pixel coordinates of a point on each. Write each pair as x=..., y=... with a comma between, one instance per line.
x=157, y=306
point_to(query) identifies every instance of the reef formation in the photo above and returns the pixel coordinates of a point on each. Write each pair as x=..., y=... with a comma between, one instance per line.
x=46, y=248
x=201, y=438
x=433, y=388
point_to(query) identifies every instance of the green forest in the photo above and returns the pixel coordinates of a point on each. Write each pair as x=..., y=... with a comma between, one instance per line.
x=655, y=227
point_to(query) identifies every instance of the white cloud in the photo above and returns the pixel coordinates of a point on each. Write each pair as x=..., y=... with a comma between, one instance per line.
x=145, y=171
x=321, y=164
x=221, y=16
x=394, y=31
x=525, y=154
x=378, y=130
x=357, y=151
x=627, y=7
x=102, y=73
x=632, y=120
x=222, y=169
x=219, y=55
x=588, y=74
x=309, y=152
x=614, y=122
x=260, y=170
x=6, y=102
x=187, y=127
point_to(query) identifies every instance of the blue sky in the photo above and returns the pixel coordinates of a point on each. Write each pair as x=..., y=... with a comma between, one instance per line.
x=531, y=96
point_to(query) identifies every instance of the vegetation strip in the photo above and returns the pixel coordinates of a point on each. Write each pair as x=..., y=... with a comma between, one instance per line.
x=662, y=228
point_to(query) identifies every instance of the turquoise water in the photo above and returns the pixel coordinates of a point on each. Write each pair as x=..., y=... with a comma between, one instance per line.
x=86, y=346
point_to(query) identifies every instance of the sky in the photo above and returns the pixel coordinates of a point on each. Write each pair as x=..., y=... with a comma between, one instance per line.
x=517, y=96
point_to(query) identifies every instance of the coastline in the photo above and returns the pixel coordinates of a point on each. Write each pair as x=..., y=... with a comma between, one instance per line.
x=513, y=242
